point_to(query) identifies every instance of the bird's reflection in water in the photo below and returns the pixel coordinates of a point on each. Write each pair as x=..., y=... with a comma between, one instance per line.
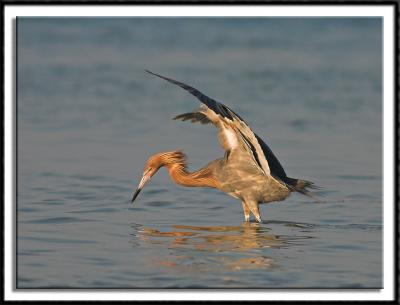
x=232, y=248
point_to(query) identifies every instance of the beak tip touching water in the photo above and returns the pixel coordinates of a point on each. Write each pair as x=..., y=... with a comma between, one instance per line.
x=136, y=194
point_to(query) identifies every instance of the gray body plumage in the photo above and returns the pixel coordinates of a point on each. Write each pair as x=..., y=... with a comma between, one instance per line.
x=241, y=179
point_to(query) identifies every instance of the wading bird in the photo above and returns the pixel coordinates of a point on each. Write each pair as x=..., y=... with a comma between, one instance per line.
x=249, y=171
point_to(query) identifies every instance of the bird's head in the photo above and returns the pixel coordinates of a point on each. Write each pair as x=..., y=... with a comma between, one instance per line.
x=154, y=163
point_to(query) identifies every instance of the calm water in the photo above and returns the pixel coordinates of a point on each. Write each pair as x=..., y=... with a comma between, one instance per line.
x=89, y=117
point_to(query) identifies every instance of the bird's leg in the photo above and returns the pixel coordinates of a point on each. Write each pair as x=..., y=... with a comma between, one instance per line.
x=253, y=206
x=246, y=211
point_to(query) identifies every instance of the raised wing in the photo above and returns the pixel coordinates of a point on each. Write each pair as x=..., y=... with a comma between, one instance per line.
x=233, y=130
x=227, y=135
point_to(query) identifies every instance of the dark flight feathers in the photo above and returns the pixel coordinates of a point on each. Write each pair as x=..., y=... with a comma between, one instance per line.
x=215, y=106
x=193, y=117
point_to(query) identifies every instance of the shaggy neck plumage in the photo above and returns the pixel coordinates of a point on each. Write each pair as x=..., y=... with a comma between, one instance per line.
x=175, y=163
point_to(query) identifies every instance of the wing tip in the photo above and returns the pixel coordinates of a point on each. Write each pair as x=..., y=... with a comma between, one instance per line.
x=165, y=78
x=148, y=71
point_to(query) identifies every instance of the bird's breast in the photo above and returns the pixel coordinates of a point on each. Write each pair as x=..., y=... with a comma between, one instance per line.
x=248, y=182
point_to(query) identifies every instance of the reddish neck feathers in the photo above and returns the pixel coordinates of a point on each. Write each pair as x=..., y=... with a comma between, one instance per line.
x=201, y=178
x=176, y=165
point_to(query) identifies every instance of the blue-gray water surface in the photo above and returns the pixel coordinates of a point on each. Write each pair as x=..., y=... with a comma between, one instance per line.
x=89, y=117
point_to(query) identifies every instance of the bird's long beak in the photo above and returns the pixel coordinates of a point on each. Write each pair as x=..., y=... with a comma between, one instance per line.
x=142, y=182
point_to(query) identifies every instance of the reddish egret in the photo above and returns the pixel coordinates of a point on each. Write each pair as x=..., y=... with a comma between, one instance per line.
x=249, y=170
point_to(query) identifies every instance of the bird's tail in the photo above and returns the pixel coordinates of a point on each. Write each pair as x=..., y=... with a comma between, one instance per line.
x=302, y=187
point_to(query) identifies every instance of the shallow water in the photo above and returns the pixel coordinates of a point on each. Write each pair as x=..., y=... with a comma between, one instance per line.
x=89, y=117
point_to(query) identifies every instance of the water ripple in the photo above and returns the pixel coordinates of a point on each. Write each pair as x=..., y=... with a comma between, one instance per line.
x=58, y=240
x=97, y=210
x=327, y=226
x=58, y=220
